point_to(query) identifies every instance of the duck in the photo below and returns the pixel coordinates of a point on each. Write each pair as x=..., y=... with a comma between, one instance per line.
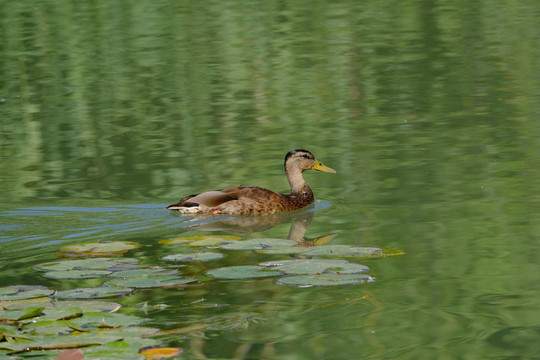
x=254, y=200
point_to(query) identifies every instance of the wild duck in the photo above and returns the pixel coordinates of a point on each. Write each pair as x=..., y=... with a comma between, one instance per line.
x=254, y=200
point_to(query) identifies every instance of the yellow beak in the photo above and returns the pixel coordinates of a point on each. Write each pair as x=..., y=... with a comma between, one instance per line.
x=320, y=167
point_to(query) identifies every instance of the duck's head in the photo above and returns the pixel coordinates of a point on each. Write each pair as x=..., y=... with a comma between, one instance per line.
x=304, y=160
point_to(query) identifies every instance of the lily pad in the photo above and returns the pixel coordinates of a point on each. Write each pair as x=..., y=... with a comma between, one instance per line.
x=211, y=239
x=325, y=280
x=77, y=274
x=151, y=282
x=314, y=266
x=85, y=264
x=198, y=256
x=343, y=251
x=19, y=292
x=17, y=315
x=94, y=293
x=102, y=248
x=153, y=271
x=242, y=272
x=258, y=244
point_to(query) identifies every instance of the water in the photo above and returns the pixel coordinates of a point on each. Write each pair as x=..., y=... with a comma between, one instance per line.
x=428, y=112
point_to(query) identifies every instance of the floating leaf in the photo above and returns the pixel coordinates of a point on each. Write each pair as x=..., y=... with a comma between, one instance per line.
x=100, y=248
x=198, y=256
x=258, y=244
x=211, y=239
x=160, y=353
x=53, y=314
x=77, y=274
x=150, y=282
x=153, y=271
x=21, y=304
x=242, y=272
x=85, y=264
x=93, y=293
x=324, y=280
x=314, y=266
x=52, y=342
x=18, y=292
x=17, y=315
x=343, y=251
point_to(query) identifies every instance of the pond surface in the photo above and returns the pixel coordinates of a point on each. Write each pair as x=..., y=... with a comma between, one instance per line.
x=429, y=112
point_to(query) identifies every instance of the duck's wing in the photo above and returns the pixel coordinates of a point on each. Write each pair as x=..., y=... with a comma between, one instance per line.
x=206, y=199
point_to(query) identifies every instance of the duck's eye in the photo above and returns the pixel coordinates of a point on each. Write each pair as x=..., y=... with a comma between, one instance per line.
x=305, y=156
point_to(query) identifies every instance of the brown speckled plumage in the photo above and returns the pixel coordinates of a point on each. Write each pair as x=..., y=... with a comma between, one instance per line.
x=254, y=200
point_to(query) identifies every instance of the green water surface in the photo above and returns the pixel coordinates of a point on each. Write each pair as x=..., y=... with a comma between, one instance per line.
x=429, y=112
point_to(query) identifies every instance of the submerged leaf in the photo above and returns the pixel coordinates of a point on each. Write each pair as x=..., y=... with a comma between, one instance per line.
x=101, y=248
x=198, y=256
x=76, y=274
x=258, y=244
x=19, y=292
x=242, y=272
x=208, y=239
x=94, y=293
x=325, y=280
x=153, y=271
x=85, y=264
x=151, y=282
x=343, y=251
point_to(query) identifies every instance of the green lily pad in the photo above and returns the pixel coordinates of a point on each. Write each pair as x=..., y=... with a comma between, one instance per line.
x=48, y=327
x=211, y=239
x=100, y=248
x=19, y=292
x=18, y=315
x=198, y=256
x=314, y=266
x=324, y=280
x=343, y=251
x=258, y=244
x=242, y=272
x=53, y=342
x=76, y=274
x=153, y=271
x=53, y=314
x=93, y=293
x=150, y=282
x=85, y=264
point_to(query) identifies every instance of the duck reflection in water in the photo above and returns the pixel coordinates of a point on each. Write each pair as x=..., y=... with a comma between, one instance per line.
x=234, y=224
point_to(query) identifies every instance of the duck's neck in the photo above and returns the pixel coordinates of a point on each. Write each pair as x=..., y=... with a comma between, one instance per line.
x=297, y=183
